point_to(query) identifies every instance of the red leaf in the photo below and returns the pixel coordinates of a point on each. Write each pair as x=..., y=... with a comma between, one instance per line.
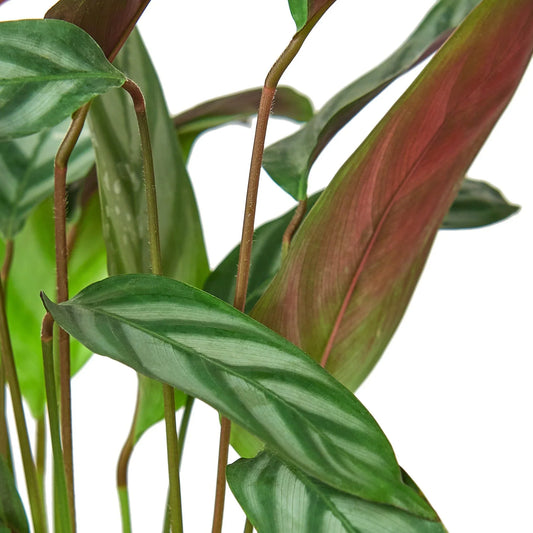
x=354, y=263
x=108, y=22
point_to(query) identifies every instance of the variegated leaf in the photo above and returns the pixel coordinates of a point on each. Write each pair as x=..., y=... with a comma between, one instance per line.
x=27, y=170
x=186, y=338
x=48, y=69
x=279, y=498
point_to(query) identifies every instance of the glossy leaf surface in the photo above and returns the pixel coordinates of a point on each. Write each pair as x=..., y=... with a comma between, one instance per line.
x=108, y=23
x=182, y=336
x=238, y=107
x=289, y=160
x=12, y=515
x=477, y=204
x=303, y=10
x=48, y=69
x=27, y=170
x=355, y=261
x=32, y=271
x=279, y=498
x=120, y=172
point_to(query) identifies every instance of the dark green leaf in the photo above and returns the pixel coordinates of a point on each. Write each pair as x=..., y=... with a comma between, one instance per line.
x=48, y=69
x=279, y=498
x=289, y=161
x=33, y=270
x=120, y=174
x=190, y=340
x=238, y=107
x=27, y=170
x=265, y=262
x=108, y=23
x=355, y=261
x=12, y=515
x=477, y=204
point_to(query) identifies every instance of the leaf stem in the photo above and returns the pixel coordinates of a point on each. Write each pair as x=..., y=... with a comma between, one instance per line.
x=40, y=455
x=30, y=471
x=155, y=256
x=293, y=226
x=243, y=266
x=248, y=527
x=62, y=518
x=184, y=425
x=5, y=445
x=60, y=198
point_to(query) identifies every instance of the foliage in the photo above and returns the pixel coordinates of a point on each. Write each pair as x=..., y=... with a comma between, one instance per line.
x=317, y=293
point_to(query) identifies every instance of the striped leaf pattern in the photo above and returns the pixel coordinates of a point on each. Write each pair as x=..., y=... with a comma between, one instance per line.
x=48, y=69
x=279, y=498
x=182, y=336
x=289, y=161
x=27, y=170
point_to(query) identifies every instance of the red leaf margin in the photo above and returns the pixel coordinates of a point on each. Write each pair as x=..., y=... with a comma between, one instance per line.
x=355, y=262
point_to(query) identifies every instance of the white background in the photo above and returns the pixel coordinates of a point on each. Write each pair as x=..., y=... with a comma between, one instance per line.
x=453, y=390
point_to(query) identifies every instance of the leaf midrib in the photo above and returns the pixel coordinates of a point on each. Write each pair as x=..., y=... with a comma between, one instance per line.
x=219, y=365
x=59, y=77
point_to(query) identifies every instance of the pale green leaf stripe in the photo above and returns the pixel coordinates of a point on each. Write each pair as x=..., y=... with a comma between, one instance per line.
x=27, y=170
x=48, y=69
x=279, y=498
x=182, y=336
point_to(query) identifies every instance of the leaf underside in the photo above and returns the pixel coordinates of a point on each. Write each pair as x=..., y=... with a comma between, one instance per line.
x=355, y=261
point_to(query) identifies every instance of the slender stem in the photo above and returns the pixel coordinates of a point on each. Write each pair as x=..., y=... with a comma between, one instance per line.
x=30, y=471
x=62, y=517
x=40, y=455
x=184, y=425
x=60, y=197
x=122, y=471
x=5, y=445
x=294, y=224
x=155, y=256
x=248, y=527
x=243, y=266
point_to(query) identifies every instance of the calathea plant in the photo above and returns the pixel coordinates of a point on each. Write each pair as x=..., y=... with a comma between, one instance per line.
x=100, y=225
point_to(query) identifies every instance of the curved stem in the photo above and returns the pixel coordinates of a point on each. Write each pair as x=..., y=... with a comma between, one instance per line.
x=155, y=256
x=294, y=224
x=243, y=266
x=60, y=197
x=30, y=471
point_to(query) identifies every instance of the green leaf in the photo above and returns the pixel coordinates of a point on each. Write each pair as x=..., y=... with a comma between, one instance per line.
x=265, y=261
x=190, y=340
x=120, y=173
x=27, y=170
x=12, y=515
x=48, y=69
x=34, y=246
x=238, y=107
x=289, y=161
x=303, y=10
x=477, y=204
x=355, y=261
x=279, y=498
x=108, y=23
